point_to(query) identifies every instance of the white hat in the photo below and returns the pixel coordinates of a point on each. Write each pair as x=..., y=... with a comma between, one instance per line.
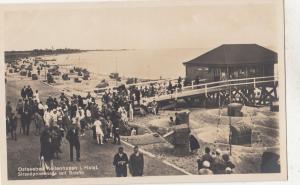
x=228, y=170
x=206, y=164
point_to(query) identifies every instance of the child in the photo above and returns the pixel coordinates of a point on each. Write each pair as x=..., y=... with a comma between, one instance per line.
x=99, y=132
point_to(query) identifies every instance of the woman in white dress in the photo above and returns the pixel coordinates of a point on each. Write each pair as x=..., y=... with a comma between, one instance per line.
x=99, y=132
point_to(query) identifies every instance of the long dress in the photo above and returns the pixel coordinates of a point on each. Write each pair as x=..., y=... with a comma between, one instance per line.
x=130, y=113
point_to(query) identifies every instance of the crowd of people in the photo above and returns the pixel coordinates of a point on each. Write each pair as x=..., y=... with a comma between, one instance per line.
x=215, y=163
x=70, y=117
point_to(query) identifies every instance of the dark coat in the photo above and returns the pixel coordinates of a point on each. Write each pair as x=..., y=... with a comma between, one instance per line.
x=120, y=163
x=8, y=110
x=23, y=93
x=56, y=136
x=136, y=164
x=19, y=107
x=47, y=150
x=207, y=157
x=14, y=122
x=29, y=92
x=73, y=136
x=73, y=110
x=219, y=166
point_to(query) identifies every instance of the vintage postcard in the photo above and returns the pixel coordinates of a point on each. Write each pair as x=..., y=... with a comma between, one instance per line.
x=145, y=91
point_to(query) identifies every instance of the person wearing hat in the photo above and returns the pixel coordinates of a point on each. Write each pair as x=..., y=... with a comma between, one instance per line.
x=73, y=138
x=120, y=162
x=136, y=162
x=205, y=169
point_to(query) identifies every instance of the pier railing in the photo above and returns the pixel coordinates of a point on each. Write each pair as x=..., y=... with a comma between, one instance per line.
x=217, y=86
x=201, y=88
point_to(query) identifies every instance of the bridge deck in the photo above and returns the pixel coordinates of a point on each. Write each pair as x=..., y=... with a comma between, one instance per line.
x=205, y=88
x=190, y=91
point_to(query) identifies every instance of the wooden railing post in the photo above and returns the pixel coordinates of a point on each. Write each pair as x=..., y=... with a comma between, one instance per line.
x=206, y=90
x=192, y=84
x=254, y=82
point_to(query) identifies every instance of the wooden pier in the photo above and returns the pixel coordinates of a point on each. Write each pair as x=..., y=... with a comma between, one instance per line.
x=256, y=91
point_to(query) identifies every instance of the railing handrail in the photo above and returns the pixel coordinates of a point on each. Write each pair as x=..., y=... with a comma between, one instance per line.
x=214, y=87
x=233, y=80
x=207, y=86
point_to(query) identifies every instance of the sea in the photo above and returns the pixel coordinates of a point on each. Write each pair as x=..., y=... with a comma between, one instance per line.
x=144, y=64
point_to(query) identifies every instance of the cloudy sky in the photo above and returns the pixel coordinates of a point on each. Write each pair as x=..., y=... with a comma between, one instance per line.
x=143, y=25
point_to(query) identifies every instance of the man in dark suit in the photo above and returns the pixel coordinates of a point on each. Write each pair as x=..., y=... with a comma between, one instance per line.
x=23, y=92
x=120, y=162
x=29, y=92
x=26, y=117
x=73, y=138
x=136, y=162
x=47, y=152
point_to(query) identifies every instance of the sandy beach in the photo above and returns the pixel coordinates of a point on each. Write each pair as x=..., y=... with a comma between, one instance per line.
x=25, y=151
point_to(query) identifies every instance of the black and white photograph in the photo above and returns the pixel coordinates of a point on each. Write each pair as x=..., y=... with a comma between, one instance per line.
x=191, y=89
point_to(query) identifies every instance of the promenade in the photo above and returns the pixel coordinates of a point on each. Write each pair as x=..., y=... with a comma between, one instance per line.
x=26, y=150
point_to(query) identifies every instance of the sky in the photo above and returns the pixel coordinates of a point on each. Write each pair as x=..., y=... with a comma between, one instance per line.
x=143, y=25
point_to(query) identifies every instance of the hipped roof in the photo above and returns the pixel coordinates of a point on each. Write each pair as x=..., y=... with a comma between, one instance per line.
x=233, y=54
